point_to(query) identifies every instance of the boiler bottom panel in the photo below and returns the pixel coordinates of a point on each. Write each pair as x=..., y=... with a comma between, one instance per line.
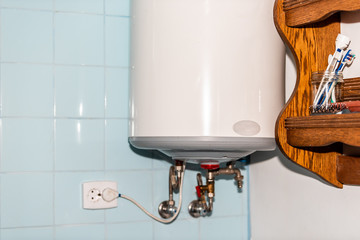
x=204, y=149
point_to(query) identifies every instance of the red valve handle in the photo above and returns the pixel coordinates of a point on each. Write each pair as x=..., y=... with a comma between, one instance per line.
x=209, y=166
x=198, y=191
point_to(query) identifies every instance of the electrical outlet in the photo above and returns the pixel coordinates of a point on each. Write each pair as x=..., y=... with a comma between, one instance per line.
x=92, y=195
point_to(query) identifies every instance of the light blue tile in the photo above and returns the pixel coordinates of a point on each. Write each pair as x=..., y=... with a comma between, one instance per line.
x=79, y=39
x=224, y=228
x=117, y=35
x=130, y=231
x=79, y=92
x=119, y=154
x=161, y=161
x=137, y=185
x=27, y=90
x=27, y=233
x=79, y=144
x=68, y=199
x=88, y=232
x=117, y=7
x=178, y=230
x=26, y=200
x=117, y=92
x=31, y=4
x=27, y=145
x=26, y=36
x=87, y=6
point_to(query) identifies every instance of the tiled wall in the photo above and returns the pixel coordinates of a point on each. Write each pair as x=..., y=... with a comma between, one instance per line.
x=63, y=121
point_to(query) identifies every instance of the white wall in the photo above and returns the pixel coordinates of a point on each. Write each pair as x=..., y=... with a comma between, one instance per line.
x=289, y=202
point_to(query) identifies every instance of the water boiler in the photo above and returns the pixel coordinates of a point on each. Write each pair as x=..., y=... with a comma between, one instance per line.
x=207, y=78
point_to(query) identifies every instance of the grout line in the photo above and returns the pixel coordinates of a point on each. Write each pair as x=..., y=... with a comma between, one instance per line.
x=63, y=118
x=104, y=83
x=27, y=227
x=53, y=226
x=54, y=178
x=110, y=223
x=247, y=168
x=148, y=220
x=0, y=188
x=66, y=64
x=142, y=170
x=106, y=230
x=1, y=112
x=54, y=89
x=104, y=35
x=77, y=224
x=104, y=143
x=153, y=229
x=51, y=171
x=53, y=63
x=1, y=99
x=152, y=199
x=54, y=119
x=63, y=11
x=199, y=228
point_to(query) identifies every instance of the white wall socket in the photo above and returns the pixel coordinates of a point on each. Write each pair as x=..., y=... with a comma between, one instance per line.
x=92, y=195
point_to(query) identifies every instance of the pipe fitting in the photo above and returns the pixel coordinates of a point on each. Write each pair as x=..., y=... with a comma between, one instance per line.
x=204, y=204
x=197, y=209
x=167, y=209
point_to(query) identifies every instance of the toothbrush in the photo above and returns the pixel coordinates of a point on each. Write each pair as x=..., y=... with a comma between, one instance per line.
x=331, y=92
x=341, y=43
x=347, y=60
x=323, y=90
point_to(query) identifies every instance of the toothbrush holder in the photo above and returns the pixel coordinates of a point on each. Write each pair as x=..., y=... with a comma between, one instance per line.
x=327, y=88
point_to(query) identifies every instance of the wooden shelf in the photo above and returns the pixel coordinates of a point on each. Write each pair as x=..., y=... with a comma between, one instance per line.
x=301, y=12
x=348, y=170
x=323, y=130
x=298, y=133
x=351, y=89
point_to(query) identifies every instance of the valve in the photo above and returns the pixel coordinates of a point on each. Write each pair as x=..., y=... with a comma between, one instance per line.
x=205, y=193
x=210, y=166
x=197, y=209
x=167, y=209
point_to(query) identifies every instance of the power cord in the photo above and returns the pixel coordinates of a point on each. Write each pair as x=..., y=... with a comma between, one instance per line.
x=110, y=195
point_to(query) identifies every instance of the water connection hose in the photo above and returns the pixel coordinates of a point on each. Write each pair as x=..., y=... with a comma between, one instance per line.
x=110, y=194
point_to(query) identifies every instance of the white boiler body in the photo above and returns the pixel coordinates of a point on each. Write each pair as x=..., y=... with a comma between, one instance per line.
x=207, y=77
